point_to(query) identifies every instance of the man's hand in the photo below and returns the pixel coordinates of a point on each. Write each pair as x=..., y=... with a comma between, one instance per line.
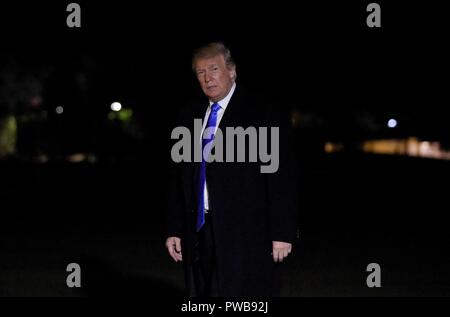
x=280, y=250
x=173, y=245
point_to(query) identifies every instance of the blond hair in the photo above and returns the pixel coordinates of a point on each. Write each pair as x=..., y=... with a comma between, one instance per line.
x=212, y=50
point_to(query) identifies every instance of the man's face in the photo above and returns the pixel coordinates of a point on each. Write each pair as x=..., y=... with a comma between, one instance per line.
x=215, y=77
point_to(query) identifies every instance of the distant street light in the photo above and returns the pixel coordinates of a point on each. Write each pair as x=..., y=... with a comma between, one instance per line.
x=392, y=123
x=116, y=106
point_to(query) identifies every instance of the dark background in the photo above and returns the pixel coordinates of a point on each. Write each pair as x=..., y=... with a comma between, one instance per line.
x=319, y=59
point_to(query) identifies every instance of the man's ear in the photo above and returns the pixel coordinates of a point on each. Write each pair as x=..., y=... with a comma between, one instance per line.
x=232, y=70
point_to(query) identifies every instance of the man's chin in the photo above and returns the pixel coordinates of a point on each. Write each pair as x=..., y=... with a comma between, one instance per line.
x=214, y=97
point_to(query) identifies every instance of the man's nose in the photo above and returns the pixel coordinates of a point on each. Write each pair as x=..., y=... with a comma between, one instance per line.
x=207, y=77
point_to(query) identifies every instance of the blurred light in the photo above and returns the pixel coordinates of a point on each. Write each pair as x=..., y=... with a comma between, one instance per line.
x=424, y=148
x=333, y=147
x=392, y=123
x=36, y=101
x=59, y=110
x=390, y=147
x=410, y=147
x=43, y=158
x=76, y=158
x=295, y=118
x=116, y=106
x=92, y=158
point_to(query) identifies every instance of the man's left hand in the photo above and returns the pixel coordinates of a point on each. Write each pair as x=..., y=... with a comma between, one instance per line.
x=280, y=250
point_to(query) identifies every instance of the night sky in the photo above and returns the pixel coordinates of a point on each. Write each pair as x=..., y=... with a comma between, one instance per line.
x=316, y=57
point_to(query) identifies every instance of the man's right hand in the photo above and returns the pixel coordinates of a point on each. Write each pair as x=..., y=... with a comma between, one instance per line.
x=173, y=245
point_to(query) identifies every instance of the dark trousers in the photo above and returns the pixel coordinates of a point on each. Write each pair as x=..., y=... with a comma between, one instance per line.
x=204, y=266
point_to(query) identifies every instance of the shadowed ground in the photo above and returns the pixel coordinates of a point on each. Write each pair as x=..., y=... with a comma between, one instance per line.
x=355, y=210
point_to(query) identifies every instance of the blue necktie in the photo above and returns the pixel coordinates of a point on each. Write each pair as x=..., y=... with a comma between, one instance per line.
x=206, y=139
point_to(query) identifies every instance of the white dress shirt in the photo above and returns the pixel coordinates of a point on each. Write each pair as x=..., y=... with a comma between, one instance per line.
x=223, y=106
